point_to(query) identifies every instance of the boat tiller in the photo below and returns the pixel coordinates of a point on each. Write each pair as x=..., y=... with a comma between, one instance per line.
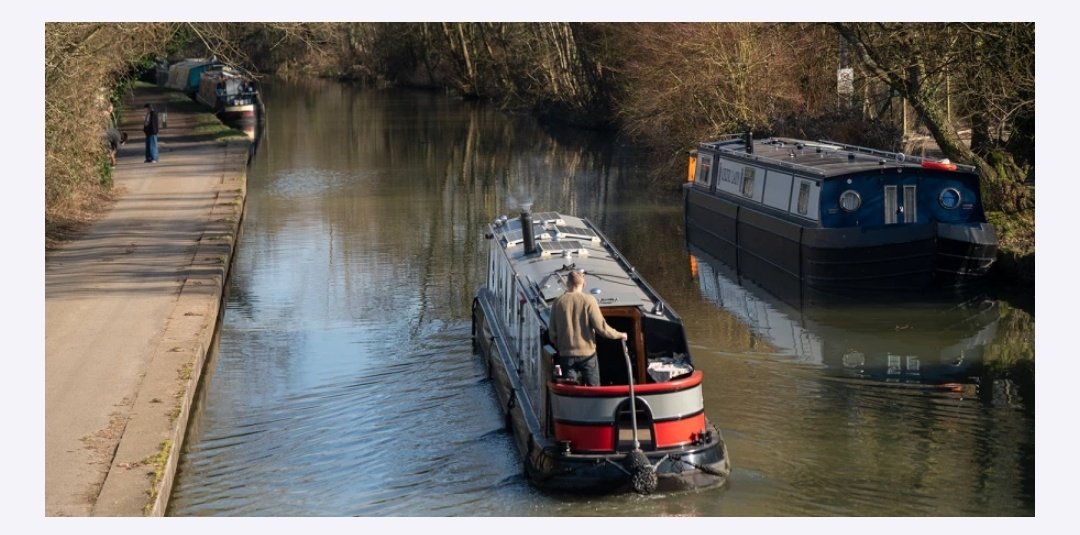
x=642, y=474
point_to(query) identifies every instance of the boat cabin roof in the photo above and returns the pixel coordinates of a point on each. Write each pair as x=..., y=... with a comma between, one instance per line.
x=822, y=159
x=193, y=62
x=565, y=243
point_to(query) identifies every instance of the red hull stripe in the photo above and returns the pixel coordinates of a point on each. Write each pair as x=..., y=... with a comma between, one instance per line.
x=587, y=437
x=672, y=433
x=689, y=381
x=678, y=432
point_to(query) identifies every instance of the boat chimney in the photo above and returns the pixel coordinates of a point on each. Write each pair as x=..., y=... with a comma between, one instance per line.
x=748, y=138
x=527, y=232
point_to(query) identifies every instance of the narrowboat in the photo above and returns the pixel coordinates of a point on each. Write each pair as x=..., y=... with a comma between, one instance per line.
x=232, y=96
x=837, y=217
x=644, y=427
x=186, y=74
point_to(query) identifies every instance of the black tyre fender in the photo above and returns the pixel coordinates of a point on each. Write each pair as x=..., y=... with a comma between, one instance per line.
x=529, y=446
x=475, y=340
x=511, y=402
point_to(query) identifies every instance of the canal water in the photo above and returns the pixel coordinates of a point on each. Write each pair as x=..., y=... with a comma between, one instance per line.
x=344, y=382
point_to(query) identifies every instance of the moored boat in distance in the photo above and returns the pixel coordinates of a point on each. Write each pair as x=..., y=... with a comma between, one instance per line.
x=837, y=217
x=231, y=95
x=644, y=428
x=185, y=75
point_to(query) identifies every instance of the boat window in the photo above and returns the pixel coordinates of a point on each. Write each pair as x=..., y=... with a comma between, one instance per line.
x=704, y=176
x=890, y=205
x=804, y=198
x=491, y=270
x=910, y=207
x=949, y=198
x=850, y=200
x=777, y=190
x=748, y=181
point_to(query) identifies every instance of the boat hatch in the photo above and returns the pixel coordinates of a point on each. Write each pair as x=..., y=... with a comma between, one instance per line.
x=565, y=232
x=511, y=232
x=548, y=248
x=548, y=218
x=625, y=427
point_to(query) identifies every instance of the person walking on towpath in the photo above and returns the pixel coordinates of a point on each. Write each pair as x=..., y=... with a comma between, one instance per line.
x=575, y=317
x=150, y=128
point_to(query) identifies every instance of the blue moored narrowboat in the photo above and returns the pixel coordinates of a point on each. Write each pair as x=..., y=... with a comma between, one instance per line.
x=837, y=217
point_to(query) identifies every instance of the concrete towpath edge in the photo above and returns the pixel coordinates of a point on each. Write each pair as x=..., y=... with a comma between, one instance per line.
x=154, y=436
x=136, y=475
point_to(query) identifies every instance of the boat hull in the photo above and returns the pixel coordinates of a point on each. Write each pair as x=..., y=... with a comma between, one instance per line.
x=704, y=466
x=783, y=254
x=237, y=113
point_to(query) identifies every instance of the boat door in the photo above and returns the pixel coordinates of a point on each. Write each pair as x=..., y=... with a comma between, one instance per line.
x=609, y=352
x=900, y=201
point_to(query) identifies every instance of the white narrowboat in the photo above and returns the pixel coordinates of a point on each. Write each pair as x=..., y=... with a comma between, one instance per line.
x=644, y=427
x=232, y=96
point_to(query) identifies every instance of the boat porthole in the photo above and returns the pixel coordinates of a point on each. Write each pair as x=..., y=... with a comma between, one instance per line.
x=949, y=198
x=850, y=200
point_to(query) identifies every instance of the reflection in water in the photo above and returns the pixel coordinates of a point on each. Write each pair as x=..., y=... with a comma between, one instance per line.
x=898, y=340
x=344, y=382
x=922, y=395
x=253, y=128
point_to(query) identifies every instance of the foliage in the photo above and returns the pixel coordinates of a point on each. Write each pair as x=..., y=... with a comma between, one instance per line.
x=988, y=69
x=86, y=66
x=666, y=85
x=1011, y=355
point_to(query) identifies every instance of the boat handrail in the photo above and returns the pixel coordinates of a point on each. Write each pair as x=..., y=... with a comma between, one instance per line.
x=765, y=159
x=683, y=383
x=631, y=271
x=898, y=156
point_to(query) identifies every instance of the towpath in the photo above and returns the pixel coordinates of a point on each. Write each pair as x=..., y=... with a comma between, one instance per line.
x=130, y=310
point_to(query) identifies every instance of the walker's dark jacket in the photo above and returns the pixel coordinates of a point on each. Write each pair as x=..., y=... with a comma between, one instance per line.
x=150, y=123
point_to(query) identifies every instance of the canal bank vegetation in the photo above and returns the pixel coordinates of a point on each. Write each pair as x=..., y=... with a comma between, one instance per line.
x=85, y=66
x=960, y=91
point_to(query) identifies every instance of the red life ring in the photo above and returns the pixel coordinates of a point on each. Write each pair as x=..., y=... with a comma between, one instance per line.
x=944, y=165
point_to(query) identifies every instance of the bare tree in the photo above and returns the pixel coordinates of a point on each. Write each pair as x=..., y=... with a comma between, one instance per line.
x=991, y=66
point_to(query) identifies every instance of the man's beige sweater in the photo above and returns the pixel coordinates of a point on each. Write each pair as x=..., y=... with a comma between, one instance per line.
x=574, y=317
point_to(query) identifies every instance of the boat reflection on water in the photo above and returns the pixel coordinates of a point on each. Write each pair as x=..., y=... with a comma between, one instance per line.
x=903, y=339
x=253, y=128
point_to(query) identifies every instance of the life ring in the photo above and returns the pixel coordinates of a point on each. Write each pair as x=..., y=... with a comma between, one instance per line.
x=943, y=165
